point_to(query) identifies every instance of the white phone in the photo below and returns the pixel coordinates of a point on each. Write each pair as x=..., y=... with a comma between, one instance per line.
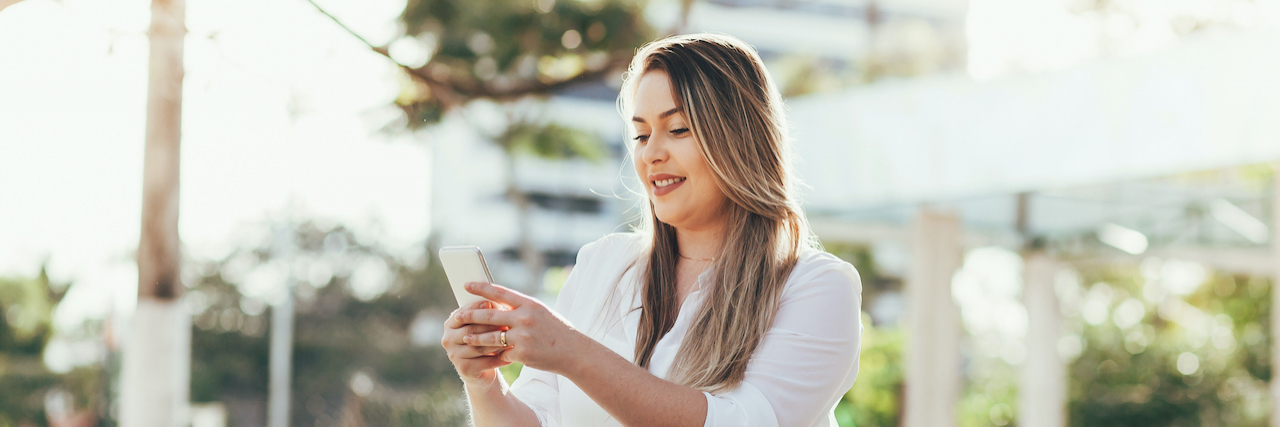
x=464, y=264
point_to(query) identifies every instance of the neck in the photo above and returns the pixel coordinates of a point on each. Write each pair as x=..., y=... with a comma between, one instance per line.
x=702, y=243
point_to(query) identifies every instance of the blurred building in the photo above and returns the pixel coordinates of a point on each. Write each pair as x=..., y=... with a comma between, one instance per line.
x=571, y=201
x=1108, y=162
x=809, y=47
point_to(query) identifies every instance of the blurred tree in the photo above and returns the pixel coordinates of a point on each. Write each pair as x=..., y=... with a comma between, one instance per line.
x=366, y=345
x=157, y=359
x=28, y=389
x=508, y=50
x=505, y=51
x=876, y=397
x=1196, y=360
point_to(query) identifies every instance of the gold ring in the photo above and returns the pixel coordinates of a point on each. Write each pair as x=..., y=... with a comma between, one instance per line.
x=502, y=338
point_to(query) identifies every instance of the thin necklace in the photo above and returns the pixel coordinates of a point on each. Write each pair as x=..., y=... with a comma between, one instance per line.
x=694, y=259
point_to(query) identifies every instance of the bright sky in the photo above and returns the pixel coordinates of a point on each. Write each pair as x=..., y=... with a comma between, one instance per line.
x=1007, y=37
x=281, y=111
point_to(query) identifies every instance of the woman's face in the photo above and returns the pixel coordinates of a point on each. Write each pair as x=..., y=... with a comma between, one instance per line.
x=675, y=174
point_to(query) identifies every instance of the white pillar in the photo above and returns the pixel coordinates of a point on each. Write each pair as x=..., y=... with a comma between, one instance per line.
x=1275, y=297
x=280, y=363
x=1042, y=382
x=280, y=360
x=933, y=322
x=158, y=359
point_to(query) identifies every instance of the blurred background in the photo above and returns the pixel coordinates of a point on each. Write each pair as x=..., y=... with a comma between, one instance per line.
x=1064, y=211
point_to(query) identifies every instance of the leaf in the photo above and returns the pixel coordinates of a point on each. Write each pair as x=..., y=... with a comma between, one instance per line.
x=552, y=141
x=516, y=48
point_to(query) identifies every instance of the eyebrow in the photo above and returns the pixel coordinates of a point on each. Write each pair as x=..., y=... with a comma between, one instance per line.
x=664, y=115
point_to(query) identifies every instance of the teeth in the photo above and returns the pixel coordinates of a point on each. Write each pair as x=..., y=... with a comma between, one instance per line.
x=667, y=182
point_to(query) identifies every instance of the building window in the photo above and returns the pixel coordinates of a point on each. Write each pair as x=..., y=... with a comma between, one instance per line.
x=565, y=203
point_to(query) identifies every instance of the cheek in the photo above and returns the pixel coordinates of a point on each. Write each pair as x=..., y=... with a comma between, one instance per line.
x=709, y=194
x=637, y=164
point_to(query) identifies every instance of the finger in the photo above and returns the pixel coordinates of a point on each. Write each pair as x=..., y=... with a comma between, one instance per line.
x=453, y=322
x=479, y=329
x=454, y=337
x=507, y=356
x=486, y=317
x=498, y=293
x=481, y=305
x=481, y=364
x=456, y=346
x=489, y=339
x=472, y=351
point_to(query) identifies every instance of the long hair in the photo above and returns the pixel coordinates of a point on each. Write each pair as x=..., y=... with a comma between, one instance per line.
x=736, y=115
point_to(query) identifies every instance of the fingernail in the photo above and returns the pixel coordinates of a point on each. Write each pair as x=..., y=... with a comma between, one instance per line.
x=471, y=286
x=467, y=339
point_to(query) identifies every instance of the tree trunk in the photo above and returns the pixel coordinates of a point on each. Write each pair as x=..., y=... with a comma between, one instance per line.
x=529, y=255
x=156, y=373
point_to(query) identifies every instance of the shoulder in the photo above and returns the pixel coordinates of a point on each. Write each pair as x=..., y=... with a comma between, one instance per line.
x=607, y=258
x=616, y=246
x=819, y=272
x=822, y=293
x=599, y=269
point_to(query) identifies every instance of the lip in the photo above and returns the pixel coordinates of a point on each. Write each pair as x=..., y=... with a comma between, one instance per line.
x=659, y=191
x=661, y=176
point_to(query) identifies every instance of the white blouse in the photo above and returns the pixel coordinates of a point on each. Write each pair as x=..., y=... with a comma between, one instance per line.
x=806, y=363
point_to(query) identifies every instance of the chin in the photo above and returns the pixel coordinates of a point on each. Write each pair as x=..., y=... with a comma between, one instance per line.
x=665, y=215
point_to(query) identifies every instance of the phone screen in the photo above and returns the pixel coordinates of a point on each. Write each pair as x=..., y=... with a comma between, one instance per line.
x=464, y=264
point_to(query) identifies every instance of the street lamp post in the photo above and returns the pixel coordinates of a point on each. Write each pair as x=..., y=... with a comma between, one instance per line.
x=281, y=338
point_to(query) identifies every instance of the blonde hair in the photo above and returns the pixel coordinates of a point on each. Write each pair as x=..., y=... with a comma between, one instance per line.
x=735, y=113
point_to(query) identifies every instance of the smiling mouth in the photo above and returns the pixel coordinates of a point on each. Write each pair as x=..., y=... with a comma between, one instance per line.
x=666, y=182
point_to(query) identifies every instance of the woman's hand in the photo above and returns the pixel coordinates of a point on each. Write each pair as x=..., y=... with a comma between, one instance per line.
x=535, y=335
x=474, y=363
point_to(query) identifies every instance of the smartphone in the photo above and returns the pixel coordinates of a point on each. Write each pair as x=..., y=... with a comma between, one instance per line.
x=464, y=264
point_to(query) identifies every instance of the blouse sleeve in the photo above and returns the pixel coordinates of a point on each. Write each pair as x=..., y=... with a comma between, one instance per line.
x=808, y=359
x=539, y=389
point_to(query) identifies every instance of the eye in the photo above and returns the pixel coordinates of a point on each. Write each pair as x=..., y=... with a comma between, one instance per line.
x=641, y=138
x=681, y=131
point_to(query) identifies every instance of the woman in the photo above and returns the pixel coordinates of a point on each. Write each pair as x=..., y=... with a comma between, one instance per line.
x=721, y=312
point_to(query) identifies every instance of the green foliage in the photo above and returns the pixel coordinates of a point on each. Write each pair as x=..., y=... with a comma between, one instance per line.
x=552, y=141
x=1127, y=371
x=804, y=74
x=511, y=372
x=990, y=394
x=1130, y=376
x=26, y=313
x=27, y=308
x=876, y=396
x=339, y=333
x=507, y=49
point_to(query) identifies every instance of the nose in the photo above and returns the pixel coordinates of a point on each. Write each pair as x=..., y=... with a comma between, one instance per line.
x=655, y=151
